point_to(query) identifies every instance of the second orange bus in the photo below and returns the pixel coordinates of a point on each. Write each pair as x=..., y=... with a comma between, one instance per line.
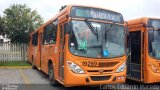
x=144, y=42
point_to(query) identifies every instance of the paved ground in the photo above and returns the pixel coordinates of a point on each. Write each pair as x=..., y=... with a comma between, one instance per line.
x=22, y=76
x=29, y=79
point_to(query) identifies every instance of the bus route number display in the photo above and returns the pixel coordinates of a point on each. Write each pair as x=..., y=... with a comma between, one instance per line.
x=94, y=13
x=90, y=63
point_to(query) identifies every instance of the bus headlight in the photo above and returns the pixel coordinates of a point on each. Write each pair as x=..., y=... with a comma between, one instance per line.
x=121, y=68
x=154, y=68
x=75, y=68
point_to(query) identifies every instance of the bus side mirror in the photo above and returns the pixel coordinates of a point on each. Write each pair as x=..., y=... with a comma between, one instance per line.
x=128, y=41
x=68, y=27
x=127, y=30
x=127, y=52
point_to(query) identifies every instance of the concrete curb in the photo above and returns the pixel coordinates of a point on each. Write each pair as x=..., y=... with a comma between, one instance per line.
x=7, y=67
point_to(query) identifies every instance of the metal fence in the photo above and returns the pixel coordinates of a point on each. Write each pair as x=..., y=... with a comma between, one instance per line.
x=10, y=52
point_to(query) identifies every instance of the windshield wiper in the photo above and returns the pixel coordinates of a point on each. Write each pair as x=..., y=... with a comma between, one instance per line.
x=152, y=34
x=106, y=31
x=94, y=31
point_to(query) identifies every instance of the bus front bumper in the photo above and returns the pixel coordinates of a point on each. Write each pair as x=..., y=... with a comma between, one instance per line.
x=72, y=79
x=152, y=77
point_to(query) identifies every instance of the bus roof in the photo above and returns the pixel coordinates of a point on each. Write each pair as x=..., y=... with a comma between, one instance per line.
x=142, y=20
x=66, y=10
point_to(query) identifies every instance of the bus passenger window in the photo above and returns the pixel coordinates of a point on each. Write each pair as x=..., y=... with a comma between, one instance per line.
x=50, y=33
x=35, y=39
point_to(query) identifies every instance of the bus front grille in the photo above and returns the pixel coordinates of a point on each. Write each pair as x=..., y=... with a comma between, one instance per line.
x=98, y=71
x=100, y=78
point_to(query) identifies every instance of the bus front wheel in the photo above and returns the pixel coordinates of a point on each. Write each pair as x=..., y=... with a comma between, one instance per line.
x=51, y=75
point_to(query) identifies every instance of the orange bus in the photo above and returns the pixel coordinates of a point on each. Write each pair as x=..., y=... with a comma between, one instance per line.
x=81, y=45
x=144, y=43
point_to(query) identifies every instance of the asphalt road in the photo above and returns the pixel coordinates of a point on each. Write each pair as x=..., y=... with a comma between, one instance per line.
x=29, y=79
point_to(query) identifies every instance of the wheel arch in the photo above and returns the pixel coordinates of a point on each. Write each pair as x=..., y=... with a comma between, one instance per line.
x=50, y=61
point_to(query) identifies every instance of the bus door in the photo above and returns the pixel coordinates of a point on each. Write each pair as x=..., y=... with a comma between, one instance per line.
x=61, y=53
x=134, y=64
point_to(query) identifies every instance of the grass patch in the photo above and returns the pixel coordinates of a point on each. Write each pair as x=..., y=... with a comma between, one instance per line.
x=9, y=52
x=15, y=64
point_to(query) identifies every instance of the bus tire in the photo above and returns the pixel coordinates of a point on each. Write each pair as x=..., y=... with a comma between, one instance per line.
x=33, y=66
x=51, y=75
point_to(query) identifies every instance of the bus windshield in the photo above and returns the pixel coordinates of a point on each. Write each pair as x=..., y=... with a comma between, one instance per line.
x=84, y=42
x=154, y=43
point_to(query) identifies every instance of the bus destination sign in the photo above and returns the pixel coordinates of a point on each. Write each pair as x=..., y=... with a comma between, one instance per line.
x=94, y=13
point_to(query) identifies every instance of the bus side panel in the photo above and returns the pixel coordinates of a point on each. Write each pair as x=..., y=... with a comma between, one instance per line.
x=35, y=55
x=31, y=52
x=44, y=57
x=52, y=56
x=47, y=54
x=38, y=54
x=48, y=51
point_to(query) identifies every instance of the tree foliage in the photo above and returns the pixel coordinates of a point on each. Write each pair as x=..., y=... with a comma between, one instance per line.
x=20, y=21
x=2, y=26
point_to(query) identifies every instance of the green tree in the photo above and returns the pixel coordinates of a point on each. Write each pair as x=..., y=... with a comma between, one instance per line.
x=20, y=21
x=2, y=28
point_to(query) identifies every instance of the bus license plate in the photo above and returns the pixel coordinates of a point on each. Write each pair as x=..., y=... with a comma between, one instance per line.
x=90, y=63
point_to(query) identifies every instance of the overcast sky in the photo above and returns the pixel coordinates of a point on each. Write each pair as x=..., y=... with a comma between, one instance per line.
x=130, y=9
